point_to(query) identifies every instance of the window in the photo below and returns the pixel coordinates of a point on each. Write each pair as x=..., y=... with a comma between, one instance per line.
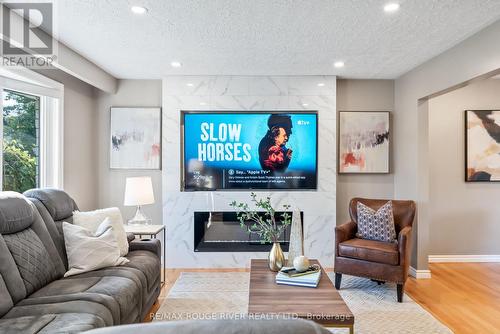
x=21, y=141
x=31, y=131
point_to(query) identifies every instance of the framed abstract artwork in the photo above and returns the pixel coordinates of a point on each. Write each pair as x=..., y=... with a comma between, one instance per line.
x=363, y=143
x=482, y=145
x=135, y=138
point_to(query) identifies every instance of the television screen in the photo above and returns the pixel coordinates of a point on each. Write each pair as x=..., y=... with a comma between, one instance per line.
x=242, y=150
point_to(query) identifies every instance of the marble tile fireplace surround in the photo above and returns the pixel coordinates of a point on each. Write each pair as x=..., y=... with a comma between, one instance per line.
x=247, y=93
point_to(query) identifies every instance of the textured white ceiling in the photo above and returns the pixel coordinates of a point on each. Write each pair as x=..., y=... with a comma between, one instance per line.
x=268, y=37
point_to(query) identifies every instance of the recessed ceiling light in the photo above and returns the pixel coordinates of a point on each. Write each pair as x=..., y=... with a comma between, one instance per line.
x=175, y=64
x=391, y=7
x=189, y=84
x=305, y=104
x=203, y=103
x=138, y=9
x=321, y=84
x=339, y=64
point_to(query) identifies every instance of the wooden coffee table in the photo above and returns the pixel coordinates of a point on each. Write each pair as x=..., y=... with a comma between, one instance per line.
x=323, y=304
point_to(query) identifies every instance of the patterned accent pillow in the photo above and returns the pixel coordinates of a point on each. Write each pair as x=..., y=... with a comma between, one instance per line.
x=376, y=225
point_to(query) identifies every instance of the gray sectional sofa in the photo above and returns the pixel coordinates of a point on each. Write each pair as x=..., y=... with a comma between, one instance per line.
x=34, y=295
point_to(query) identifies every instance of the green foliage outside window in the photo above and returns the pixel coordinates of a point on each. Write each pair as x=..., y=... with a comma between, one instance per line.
x=20, y=141
x=19, y=169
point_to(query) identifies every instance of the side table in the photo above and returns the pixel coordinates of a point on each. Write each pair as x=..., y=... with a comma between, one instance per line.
x=152, y=232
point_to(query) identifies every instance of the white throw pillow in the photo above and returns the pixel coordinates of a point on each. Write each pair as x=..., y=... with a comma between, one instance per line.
x=92, y=219
x=87, y=251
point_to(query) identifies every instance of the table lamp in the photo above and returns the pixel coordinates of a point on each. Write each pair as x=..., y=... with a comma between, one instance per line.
x=139, y=192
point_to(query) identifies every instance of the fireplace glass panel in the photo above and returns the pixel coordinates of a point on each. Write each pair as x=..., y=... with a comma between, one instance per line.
x=221, y=232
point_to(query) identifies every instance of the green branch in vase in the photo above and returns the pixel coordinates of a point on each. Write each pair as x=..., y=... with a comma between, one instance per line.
x=264, y=221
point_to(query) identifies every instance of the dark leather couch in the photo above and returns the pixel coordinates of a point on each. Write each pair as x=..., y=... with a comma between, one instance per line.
x=379, y=261
x=34, y=296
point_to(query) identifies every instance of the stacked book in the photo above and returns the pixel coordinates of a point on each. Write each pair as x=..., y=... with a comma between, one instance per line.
x=288, y=276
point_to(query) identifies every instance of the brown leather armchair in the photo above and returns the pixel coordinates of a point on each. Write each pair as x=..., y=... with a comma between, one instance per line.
x=377, y=260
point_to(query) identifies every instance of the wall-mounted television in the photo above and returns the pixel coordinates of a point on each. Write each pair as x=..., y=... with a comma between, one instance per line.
x=271, y=150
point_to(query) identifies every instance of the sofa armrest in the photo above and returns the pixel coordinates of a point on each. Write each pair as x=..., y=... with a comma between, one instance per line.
x=152, y=245
x=404, y=247
x=344, y=232
x=130, y=237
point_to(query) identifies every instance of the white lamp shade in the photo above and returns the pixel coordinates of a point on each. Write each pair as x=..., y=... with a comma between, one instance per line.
x=138, y=191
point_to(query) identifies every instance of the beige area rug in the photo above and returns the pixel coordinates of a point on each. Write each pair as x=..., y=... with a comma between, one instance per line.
x=225, y=295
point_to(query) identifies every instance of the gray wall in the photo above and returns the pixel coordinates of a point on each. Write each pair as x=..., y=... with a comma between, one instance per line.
x=452, y=68
x=363, y=95
x=464, y=216
x=80, y=118
x=111, y=184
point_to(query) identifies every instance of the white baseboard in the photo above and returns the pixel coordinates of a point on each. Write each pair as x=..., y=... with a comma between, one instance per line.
x=463, y=258
x=419, y=274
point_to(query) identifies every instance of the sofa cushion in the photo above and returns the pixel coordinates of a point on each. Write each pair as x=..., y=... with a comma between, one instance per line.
x=131, y=273
x=6, y=302
x=10, y=274
x=74, y=291
x=59, y=204
x=125, y=291
x=370, y=250
x=54, y=229
x=51, y=323
x=69, y=323
x=80, y=307
x=28, y=324
x=28, y=257
x=143, y=268
x=16, y=213
x=32, y=259
x=121, y=295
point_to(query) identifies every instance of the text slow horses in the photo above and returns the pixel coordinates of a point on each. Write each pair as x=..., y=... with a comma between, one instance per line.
x=223, y=144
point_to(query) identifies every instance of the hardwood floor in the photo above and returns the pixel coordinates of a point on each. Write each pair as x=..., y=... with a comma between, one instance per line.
x=463, y=296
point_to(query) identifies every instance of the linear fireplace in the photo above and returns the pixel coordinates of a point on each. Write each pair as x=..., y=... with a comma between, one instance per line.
x=220, y=231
